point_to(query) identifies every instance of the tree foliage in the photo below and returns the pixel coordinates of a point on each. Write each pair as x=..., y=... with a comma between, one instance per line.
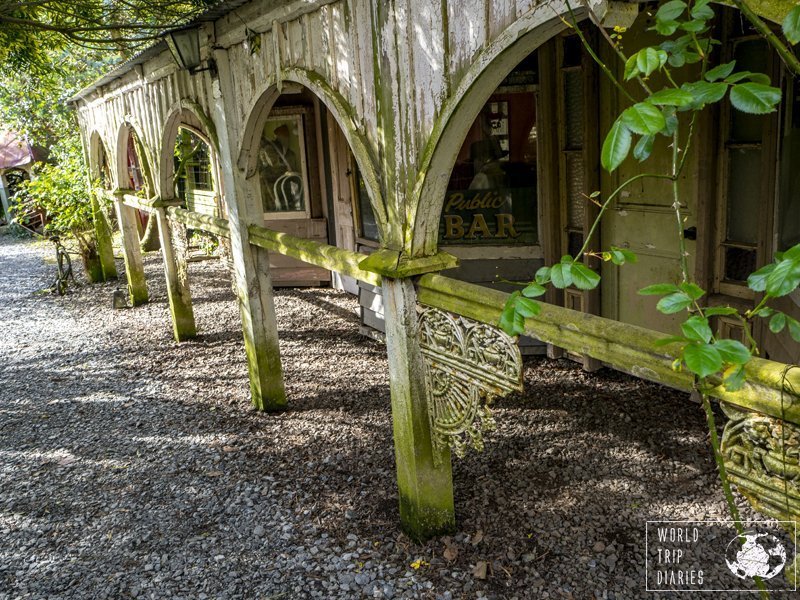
x=31, y=29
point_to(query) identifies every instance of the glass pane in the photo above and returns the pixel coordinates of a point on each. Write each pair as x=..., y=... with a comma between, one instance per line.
x=192, y=161
x=280, y=166
x=750, y=56
x=491, y=195
x=788, y=225
x=574, y=242
x=572, y=51
x=744, y=195
x=739, y=263
x=136, y=179
x=576, y=201
x=368, y=226
x=573, y=109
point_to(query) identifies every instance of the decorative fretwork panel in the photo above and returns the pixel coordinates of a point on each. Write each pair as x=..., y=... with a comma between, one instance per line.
x=467, y=365
x=762, y=457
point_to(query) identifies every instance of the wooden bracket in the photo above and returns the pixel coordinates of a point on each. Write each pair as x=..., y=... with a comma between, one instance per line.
x=396, y=265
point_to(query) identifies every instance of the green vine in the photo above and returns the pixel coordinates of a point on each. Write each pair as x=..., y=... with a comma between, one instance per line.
x=671, y=112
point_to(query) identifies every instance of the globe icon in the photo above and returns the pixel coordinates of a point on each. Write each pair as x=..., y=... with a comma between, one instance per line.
x=754, y=554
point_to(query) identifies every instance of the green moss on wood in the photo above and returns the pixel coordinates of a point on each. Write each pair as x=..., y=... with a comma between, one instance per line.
x=326, y=256
x=397, y=265
x=105, y=248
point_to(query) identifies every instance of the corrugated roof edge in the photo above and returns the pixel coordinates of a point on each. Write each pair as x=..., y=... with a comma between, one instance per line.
x=211, y=14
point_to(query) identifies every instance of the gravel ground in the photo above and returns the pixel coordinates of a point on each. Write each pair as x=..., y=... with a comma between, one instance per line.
x=134, y=467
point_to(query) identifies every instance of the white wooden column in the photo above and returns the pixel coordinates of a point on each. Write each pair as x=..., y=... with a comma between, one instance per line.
x=103, y=237
x=425, y=490
x=251, y=264
x=175, y=271
x=134, y=267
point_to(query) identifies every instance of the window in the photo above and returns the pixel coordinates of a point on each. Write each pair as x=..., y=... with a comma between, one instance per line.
x=572, y=142
x=194, y=182
x=491, y=196
x=788, y=213
x=136, y=175
x=192, y=163
x=282, y=167
x=745, y=187
x=365, y=216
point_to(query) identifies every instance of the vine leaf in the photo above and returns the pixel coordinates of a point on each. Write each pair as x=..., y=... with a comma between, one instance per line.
x=671, y=97
x=674, y=303
x=527, y=307
x=755, y=98
x=705, y=92
x=534, y=290
x=616, y=146
x=757, y=281
x=542, y=275
x=733, y=378
x=777, y=322
x=583, y=277
x=732, y=352
x=669, y=11
x=702, y=359
x=721, y=71
x=791, y=25
x=696, y=328
x=644, y=118
x=643, y=148
x=659, y=289
x=784, y=278
x=561, y=275
x=619, y=256
x=692, y=290
x=794, y=328
x=507, y=320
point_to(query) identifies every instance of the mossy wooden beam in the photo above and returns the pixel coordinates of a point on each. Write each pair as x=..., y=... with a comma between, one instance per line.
x=626, y=347
x=328, y=257
x=149, y=205
x=397, y=265
x=195, y=220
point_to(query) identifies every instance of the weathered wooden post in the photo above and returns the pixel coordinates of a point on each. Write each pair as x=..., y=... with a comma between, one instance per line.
x=175, y=271
x=102, y=232
x=251, y=264
x=426, y=490
x=424, y=474
x=134, y=268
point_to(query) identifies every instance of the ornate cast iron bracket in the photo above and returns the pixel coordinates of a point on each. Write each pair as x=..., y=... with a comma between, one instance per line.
x=762, y=457
x=467, y=365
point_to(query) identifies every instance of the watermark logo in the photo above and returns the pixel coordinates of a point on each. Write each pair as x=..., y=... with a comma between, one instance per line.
x=710, y=556
x=753, y=554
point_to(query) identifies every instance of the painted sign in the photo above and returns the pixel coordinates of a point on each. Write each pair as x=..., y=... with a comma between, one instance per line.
x=489, y=217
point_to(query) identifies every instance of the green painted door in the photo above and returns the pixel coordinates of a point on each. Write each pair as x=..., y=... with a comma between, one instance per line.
x=643, y=220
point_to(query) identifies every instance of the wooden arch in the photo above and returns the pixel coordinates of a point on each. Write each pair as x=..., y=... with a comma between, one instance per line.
x=98, y=149
x=460, y=110
x=189, y=114
x=341, y=111
x=142, y=152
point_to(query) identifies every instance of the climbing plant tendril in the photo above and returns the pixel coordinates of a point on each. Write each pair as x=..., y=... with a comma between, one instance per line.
x=671, y=113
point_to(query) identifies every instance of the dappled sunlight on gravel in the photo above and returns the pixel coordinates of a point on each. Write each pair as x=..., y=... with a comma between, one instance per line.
x=135, y=467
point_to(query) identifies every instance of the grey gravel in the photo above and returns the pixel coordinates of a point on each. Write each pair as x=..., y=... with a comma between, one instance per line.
x=135, y=467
